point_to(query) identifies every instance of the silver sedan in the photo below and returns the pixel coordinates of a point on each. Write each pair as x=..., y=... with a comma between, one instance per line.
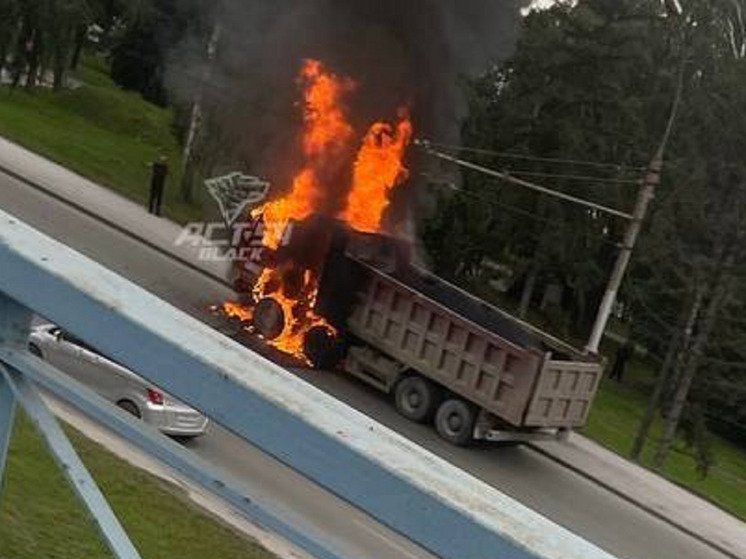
x=115, y=382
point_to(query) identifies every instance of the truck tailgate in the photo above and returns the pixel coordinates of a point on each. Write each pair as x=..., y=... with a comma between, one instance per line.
x=563, y=394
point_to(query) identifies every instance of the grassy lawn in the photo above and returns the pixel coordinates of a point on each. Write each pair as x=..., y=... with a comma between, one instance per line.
x=99, y=131
x=614, y=421
x=41, y=518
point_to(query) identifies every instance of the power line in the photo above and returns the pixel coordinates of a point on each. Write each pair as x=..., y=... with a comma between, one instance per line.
x=509, y=155
x=531, y=186
x=513, y=209
x=635, y=295
x=635, y=182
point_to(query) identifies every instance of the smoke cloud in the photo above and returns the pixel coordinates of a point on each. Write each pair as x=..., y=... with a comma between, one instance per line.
x=399, y=52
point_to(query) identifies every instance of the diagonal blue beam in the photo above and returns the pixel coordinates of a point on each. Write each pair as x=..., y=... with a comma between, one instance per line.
x=153, y=443
x=15, y=322
x=67, y=459
x=7, y=413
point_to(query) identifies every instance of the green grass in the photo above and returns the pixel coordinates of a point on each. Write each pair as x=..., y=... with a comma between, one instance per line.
x=616, y=416
x=41, y=519
x=101, y=132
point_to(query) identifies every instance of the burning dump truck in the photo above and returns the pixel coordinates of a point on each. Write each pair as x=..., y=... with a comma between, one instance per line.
x=337, y=291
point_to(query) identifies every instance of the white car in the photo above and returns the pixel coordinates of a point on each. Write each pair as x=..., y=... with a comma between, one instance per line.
x=115, y=382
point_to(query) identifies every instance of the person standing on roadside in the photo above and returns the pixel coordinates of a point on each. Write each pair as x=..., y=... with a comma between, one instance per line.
x=158, y=175
x=623, y=355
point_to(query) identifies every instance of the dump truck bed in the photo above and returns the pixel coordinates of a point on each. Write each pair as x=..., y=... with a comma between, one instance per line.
x=522, y=376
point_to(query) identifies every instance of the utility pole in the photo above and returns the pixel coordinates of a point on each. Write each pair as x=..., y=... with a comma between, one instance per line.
x=644, y=197
x=196, y=118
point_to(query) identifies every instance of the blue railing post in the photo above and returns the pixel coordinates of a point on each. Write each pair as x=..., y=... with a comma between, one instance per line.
x=15, y=327
x=15, y=322
x=7, y=413
x=72, y=467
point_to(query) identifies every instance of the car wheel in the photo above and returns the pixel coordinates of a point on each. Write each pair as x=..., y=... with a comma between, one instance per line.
x=34, y=350
x=130, y=408
x=454, y=421
x=185, y=440
x=416, y=398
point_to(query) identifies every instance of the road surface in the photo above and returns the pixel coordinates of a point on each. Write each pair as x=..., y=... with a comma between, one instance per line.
x=563, y=496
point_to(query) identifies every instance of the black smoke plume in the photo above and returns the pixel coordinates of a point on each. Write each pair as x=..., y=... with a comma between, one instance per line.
x=400, y=52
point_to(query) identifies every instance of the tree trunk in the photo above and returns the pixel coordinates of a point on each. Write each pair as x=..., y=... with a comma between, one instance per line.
x=723, y=284
x=679, y=343
x=5, y=41
x=34, y=60
x=195, y=122
x=3, y=55
x=528, y=289
x=60, y=63
x=80, y=42
x=20, y=54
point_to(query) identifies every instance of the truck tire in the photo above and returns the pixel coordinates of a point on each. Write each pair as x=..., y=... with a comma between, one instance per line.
x=454, y=421
x=269, y=318
x=322, y=347
x=417, y=398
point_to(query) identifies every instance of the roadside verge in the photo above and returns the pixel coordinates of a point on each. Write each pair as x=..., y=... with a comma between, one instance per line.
x=97, y=202
x=652, y=493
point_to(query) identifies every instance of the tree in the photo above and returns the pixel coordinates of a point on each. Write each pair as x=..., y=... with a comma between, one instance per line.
x=9, y=16
x=38, y=34
x=594, y=81
x=701, y=223
x=586, y=82
x=68, y=19
x=152, y=31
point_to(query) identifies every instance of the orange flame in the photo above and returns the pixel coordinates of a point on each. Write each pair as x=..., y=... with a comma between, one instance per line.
x=378, y=169
x=299, y=314
x=326, y=134
x=237, y=310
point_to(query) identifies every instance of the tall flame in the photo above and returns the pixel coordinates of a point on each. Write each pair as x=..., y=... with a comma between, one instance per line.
x=327, y=137
x=378, y=169
x=326, y=133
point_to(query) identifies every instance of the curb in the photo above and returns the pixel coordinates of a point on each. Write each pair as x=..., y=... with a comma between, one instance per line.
x=638, y=503
x=113, y=225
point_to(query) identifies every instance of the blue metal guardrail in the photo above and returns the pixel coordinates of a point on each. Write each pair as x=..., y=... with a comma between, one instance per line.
x=433, y=503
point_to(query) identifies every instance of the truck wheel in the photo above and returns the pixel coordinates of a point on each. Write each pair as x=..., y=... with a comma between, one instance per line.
x=416, y=398
x=322, y=347
x=269, y=318
x=454, y=421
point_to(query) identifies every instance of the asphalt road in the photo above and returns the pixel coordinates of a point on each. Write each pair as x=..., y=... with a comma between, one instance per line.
x=568, y=499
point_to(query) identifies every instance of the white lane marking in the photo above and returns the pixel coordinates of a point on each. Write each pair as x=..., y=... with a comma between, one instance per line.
x=390, y=541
